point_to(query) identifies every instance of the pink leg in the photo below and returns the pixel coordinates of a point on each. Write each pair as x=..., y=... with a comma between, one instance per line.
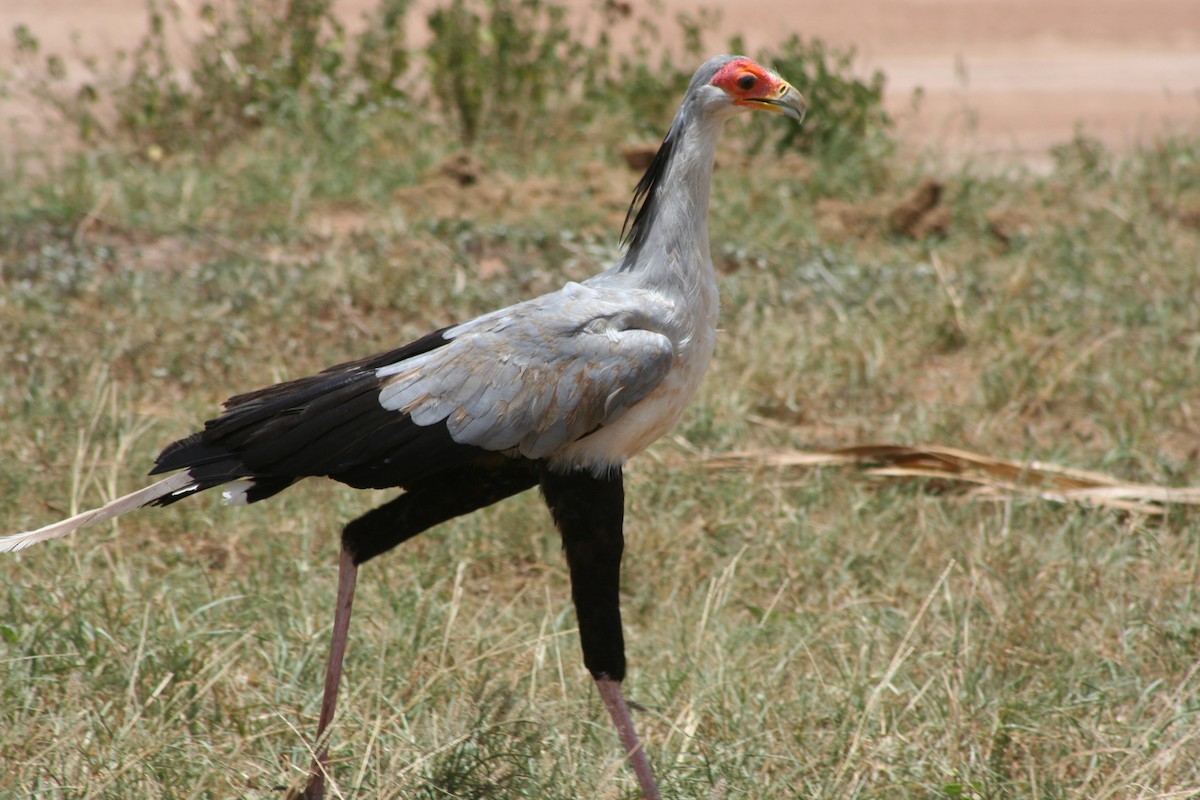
x=614, y=701
x=347, y=577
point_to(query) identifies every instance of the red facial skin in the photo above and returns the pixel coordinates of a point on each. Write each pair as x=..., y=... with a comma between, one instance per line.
x=745, y=80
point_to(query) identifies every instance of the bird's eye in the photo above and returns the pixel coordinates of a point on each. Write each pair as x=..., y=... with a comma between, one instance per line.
x=747, y=81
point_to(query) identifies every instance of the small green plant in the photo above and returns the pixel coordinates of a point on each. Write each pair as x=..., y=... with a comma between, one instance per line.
x=498, y=65
x=255, y=64
x=850, y=115
x=497, y=69
x=41, y=79
x=1084, y=154
x=648, y=77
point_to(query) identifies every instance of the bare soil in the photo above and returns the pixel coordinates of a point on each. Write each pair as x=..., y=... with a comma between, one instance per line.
x=1000, y=78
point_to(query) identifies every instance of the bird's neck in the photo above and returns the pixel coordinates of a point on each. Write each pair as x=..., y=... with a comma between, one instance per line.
x=670, y=249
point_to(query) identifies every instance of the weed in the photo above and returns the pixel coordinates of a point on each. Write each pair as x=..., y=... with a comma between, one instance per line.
x=283, y=63
x=850, y=115
x=502, y=63
x=500, y=67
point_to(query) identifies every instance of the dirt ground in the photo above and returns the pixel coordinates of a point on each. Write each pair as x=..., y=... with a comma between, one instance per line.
x=1001, y=78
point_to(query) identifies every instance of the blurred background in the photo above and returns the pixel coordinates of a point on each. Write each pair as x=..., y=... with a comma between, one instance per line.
x=1006, y=78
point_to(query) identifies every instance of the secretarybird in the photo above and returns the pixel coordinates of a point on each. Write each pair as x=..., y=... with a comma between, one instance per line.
x=557, y=391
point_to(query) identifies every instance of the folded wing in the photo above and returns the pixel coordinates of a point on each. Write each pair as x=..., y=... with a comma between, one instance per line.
x=525, y=381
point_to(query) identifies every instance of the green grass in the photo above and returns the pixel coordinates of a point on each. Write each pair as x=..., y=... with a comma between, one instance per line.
x=790, y=633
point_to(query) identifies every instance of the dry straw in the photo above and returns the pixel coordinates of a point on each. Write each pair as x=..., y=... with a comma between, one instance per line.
x=989, y=478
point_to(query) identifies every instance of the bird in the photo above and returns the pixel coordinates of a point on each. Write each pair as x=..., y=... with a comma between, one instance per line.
x=556, y=392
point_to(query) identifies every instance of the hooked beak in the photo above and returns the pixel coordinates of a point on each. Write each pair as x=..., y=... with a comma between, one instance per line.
x=786, y=100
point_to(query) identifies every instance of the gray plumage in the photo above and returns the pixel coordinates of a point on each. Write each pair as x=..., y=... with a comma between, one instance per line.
x=586, y=356
x=540, y=375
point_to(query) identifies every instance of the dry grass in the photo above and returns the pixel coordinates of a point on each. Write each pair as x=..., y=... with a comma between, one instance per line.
x=991, y=478
x=792, y=633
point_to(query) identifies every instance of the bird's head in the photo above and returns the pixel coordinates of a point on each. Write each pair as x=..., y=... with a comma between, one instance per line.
x=740, y=83
x=723, y=86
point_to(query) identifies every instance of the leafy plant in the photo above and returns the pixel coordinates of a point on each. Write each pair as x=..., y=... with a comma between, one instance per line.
x=851, y=115
x=499, y=64
x=647, y=76
x=274, y=62
x=496, y=70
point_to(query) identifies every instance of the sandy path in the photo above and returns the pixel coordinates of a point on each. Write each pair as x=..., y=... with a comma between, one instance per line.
x=1000, y=77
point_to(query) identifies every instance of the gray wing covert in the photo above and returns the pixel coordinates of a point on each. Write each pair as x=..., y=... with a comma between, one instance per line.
x=533, y=377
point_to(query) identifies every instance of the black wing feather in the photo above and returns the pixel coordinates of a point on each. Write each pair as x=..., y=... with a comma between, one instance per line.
x=328, y=424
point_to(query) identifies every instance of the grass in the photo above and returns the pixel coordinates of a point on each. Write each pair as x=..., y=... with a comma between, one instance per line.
x=791, y=633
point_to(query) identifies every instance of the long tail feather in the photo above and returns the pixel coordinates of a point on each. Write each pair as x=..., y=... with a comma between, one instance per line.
x=178, y=483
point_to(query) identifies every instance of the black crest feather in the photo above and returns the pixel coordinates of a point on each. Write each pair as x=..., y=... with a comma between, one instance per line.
x=644, y=206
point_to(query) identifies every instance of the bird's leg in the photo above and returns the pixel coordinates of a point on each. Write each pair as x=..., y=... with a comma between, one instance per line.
x=589, y=512
x=618, y=709
x=425, y=504
x=347, y=579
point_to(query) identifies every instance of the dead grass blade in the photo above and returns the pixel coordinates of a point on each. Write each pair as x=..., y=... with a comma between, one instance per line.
x=991, y=478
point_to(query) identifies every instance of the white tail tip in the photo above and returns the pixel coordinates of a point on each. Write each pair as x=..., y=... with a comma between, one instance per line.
x=178, y=483
x=234, y=493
